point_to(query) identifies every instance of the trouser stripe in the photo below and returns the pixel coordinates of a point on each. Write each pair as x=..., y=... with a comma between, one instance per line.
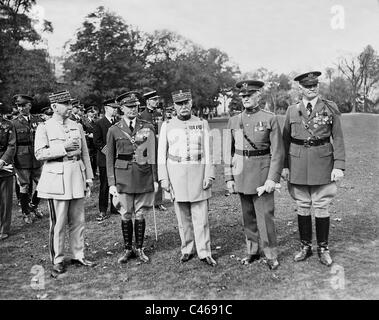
x=53, y=221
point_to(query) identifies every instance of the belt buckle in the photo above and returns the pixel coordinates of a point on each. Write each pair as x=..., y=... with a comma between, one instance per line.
x=245, y=153
x=307, y=143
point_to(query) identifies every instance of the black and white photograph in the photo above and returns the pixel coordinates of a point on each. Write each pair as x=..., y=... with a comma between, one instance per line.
x=189, y=155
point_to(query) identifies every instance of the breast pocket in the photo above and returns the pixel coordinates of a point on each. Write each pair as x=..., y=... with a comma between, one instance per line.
x=296, y=128
x=23, y=135
x=262, y=132
x=124, y=146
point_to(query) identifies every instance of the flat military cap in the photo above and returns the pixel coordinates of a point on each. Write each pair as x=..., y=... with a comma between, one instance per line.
x=89, y=109
x=150, y=95
x=75, y=103
x=110, y=103
x=248, y=86
x=308, y=78
x=128, y=99
x=47, y=110
x=22, y=99
x=181, y=95
x=60, y=97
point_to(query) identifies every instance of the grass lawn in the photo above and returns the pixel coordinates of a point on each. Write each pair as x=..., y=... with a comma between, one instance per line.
x=353, y=243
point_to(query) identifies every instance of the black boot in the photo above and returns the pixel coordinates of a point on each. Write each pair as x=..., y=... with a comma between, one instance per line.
x=24, y=201
x=322, y=234
x=139, y=226
x=305, y=231
x=127, y=232
x=34, y=205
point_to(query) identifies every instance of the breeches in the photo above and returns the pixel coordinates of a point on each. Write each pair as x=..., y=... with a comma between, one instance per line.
x=26, y=176
x=318, y=197
x=138, y=203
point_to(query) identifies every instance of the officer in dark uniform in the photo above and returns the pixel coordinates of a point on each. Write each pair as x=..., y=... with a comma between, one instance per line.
x=313, y=163
x=254, y=159
x=75, y=113
x=88, y=126
x=27, y=167
x=7, y=151
x=100, y=131
x=150, y=114
x=132, y=172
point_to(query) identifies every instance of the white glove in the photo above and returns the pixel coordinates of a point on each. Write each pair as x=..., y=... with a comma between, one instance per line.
x=113, y=190
x=156, y=186
x=336, y=175
x=262, y=189
x=165, y=185
x=286, y=174
x=231, y=186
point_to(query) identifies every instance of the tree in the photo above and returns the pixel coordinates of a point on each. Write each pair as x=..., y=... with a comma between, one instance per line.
x=106, y=58
x=21, y=70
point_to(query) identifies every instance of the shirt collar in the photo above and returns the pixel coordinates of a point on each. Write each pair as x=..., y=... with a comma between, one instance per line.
x=109, y=119
x=312, y=102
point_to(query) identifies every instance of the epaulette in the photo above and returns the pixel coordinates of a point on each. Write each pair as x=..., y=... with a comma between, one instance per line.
x=331, y=106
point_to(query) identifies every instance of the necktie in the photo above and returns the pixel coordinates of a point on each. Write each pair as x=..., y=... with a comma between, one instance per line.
x=131, y=126
x=113, y=121
x=309, y=108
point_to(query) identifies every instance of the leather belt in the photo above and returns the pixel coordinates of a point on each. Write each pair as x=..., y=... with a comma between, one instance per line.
x=310, y=142
x=253, y=153
x=23, y=144
x=181, y=159
x=67, y=158
x=126, y=157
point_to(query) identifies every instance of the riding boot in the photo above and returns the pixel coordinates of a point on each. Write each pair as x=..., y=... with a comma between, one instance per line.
x=305, y=231
x=140, y=226
x=127, y=232
x=322, y=234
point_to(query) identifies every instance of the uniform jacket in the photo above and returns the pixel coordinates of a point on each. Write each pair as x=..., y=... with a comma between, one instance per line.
x=25, y=135
x=89, y=128
x=61, y=179
x=153, y=117
x=7, y=144
x=262, y=129
x=135, y=175
x=100, y=131
x=188, y=141
x=313, y=165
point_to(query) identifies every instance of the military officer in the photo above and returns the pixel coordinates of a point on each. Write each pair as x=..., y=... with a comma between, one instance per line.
x=312, y=163
x=7, y=151
x=100, y=131
x=88, y=126
x=186, y=170
x=66, y=176
x=27, y=167
x=131, y=170
x=75, y=113
x=253, y=158
x=151, y=115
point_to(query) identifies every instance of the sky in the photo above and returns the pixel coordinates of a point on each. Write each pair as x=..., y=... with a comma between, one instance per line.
x=281, y=35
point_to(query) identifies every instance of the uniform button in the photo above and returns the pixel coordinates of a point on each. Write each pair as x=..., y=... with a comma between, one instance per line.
x=247, y=125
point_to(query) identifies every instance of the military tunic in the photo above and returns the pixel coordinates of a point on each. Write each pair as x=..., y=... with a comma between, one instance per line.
x=7, y=151
x=185, y=161
x=63, y=182
x=311, y=164
x=253, y=154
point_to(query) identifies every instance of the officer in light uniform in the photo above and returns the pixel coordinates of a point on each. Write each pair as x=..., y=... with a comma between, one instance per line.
x=7, y=151
x=66, y=176
x=313, y=163
x=186, y=170
x=132, y=173
x=254, y=158
x=27, y=167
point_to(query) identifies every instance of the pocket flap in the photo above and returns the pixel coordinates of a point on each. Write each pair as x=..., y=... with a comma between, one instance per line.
x=121, y=164
x=54, y=167
x=295, y=150
x=325, y=150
